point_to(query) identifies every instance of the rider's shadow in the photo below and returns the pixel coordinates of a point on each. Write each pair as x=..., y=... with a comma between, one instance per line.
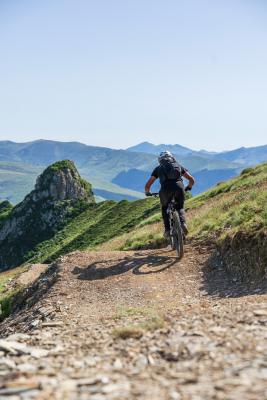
x=154, y=264
x=140, y=265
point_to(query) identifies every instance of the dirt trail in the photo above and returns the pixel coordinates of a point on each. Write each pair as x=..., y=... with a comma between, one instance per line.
x=195, y=335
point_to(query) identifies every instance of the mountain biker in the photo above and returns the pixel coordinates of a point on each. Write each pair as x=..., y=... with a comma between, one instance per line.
x=170, y=174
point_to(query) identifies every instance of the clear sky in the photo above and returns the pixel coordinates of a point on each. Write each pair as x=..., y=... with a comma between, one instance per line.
x=118, y=72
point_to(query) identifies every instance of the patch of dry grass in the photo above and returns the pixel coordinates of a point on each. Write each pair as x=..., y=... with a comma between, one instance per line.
x=145, y=319
x=128, y=332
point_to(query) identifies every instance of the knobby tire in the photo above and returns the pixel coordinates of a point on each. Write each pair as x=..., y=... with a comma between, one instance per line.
x=177, y=240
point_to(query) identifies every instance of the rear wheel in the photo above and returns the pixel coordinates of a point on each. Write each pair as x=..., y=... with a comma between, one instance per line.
x=171, y=232
x=177, y=235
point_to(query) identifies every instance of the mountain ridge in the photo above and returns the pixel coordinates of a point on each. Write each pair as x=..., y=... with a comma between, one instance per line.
x=21, y=163
x=227, y=155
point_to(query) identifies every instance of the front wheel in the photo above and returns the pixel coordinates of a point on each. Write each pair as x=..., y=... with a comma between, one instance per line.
x=177, y=240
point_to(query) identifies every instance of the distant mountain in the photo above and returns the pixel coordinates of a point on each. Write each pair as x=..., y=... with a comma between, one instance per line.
x=108, y=169
x=177, y=149
x=206, y=179
x=151, y=148
x=105, y=194
x=242, y=156
x=16, y=179
x=245, y=156
x=97, y=164
x=135, y=179
x=44, y=152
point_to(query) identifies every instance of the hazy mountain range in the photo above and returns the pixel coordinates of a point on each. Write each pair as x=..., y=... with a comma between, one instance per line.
x=115, y=174
x=242, y=155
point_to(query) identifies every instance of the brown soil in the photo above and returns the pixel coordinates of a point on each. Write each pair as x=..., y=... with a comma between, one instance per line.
x=31, y=274
x=188, y=332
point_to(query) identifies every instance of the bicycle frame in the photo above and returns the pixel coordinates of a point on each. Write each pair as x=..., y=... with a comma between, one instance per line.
x=170, y=211
x=176, y=233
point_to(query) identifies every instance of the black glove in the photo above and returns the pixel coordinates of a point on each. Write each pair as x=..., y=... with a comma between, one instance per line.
x=188, y=188
x=148, y=194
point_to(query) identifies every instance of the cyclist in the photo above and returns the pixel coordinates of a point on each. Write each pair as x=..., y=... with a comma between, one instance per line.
x=170, y=174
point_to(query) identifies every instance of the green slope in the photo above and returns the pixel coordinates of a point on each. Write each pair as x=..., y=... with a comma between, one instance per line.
x=238, y=205
x=234, y=207
x=98, y=224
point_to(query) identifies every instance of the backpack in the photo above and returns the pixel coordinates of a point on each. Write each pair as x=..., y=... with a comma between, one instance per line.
x=170, y=171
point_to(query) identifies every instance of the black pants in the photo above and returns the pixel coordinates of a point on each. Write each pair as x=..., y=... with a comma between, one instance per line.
x=166, y=194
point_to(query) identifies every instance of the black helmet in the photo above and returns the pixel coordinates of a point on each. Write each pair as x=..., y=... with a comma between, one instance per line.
x=165, y=156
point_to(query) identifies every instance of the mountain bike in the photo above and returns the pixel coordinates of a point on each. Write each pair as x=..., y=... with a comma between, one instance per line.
x=177, y=237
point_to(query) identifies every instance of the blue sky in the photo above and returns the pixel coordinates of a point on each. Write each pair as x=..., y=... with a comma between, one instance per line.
x=118, y=72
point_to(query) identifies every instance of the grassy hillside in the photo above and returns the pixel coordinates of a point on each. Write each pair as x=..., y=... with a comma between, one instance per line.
x=97, y=224
x=233, y=207
x=238, y=205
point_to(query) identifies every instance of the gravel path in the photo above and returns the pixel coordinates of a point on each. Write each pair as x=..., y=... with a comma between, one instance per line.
x=141, y=325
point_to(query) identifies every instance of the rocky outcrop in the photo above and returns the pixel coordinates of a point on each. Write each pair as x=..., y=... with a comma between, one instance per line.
x=61, y=181
x=59, y=191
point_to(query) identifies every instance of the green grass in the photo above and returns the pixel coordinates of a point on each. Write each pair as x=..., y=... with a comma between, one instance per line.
x=96, y=225
x=249, y=178
x=151, y=220
x=145, y=240
x=237, y=205
x=59, y=165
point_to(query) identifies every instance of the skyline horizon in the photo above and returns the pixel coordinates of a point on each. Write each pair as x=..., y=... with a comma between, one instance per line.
x=132, y=145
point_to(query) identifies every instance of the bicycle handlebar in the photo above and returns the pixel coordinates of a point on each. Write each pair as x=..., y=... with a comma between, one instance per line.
x=152, y=194
x=156, y=194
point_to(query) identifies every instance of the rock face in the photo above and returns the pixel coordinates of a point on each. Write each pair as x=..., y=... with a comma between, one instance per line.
x=61, y=181
x=59, y=191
